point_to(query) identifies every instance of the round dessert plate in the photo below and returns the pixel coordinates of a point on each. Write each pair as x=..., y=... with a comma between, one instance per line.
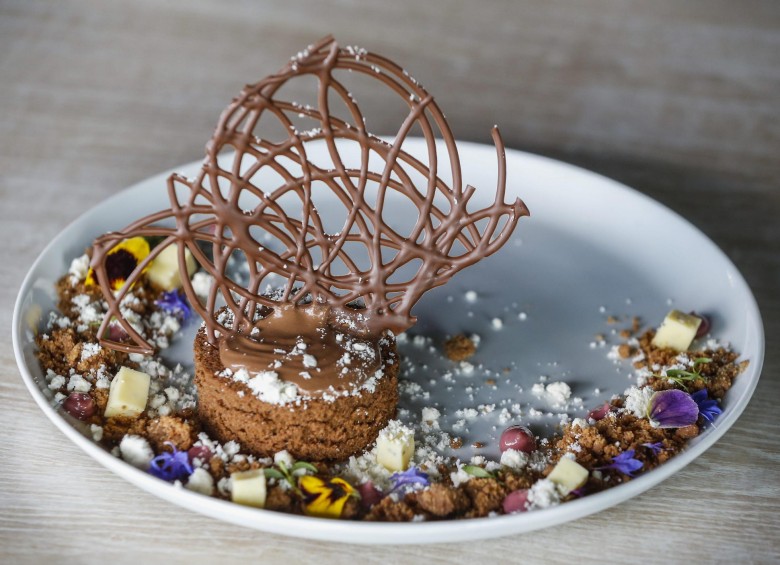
x=592, y=248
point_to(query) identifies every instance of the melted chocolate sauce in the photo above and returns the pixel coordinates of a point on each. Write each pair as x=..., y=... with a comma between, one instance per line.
x=305, y=346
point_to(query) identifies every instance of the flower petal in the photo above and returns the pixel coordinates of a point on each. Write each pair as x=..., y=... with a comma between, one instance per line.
x=170, y=466
x=412, y=476
x=174, y=303
x=672, y=409
x=626, y=463
x=656, y=447
x=700, y=395
x=322, y=498
x=121, y=261
x=708, y=408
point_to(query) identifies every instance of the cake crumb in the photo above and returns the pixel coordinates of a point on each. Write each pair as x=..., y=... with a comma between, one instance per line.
x=171, y=429
x=442, y=500
x=459, y=348
x=389, y=510
x=279, y=499
x=486, y=496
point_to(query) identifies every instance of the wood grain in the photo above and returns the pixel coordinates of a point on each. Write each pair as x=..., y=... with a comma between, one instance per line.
x=679, y=100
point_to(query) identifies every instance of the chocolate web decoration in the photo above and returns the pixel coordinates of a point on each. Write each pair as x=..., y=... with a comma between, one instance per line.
x=319, y=266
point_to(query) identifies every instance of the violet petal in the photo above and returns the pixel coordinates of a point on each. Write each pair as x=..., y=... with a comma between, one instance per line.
x=174, y=303
x=171, y=466
x=411, y=476
x=656, y=447
x=672, y=409
x=708, y=408
x=625, y=462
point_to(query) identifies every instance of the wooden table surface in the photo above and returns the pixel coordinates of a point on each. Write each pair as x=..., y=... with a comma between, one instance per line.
x=678, y=99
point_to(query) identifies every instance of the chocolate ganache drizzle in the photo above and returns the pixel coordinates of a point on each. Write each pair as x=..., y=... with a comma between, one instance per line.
x=305, y=346
x=228, y=211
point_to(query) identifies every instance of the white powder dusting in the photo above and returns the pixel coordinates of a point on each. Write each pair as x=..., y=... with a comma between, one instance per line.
x=556, y=393
x=543, y=494
x=201, y=284
x=459, y=476
x=89, y=350
x=559, y=393
x=283, y=458
x=78, y=269
x=638, y=400
x=200, y=481
x=514, y=459
x=267, y=386
x=57, y=382
x=77, y=383
x=136, y=451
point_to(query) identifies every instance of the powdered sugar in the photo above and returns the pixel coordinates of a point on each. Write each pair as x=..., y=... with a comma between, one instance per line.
x=638, y=400
x=136, y=451
x=543, y=494
x=267, y=386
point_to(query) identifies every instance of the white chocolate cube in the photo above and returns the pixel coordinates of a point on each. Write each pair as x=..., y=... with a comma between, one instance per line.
x=164, y=270
x=677, y=331
x=395, y=446
x=128, y=394
x=568, y=475
x=248, y=488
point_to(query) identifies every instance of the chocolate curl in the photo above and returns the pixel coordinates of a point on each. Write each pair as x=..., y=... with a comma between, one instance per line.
x=320, y=267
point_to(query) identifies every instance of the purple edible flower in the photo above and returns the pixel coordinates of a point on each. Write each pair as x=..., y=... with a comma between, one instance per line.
x=174, y=303
x=171, y=466
x=626, y=463
x=656, y=447
x=672, y=409
x=412, y=476
x=708, y=408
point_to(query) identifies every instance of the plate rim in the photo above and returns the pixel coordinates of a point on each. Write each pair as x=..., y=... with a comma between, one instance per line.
x=383, y=532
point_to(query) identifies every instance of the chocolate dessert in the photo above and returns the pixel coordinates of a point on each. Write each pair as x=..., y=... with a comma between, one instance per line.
x=312, y=368
x=296, y=367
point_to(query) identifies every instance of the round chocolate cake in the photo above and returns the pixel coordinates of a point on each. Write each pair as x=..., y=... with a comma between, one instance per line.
x=300, y=382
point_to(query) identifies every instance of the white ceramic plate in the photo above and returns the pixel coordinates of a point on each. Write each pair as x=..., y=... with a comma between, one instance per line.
x=592, y=247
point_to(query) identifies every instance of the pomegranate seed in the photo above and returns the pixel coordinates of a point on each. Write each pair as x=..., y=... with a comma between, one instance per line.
x=369, y=495
x=704, y=327
x=116, y=332
x=518, y=438
x=515, y=501
x=600, y=412
x=200, y=452
x=79, y=405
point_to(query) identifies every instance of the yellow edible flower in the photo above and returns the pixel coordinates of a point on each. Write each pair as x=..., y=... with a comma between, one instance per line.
x=323, y=498
x=121, y=261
